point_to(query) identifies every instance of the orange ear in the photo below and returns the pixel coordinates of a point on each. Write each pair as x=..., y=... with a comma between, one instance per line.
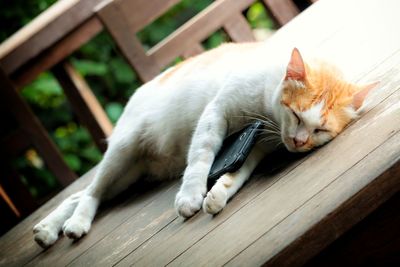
x=296, y=69
x=359, y=97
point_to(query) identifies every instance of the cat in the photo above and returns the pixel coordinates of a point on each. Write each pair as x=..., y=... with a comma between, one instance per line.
x=176, y=123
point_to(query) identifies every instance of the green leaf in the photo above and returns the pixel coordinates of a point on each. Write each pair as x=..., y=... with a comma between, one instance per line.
x=114, y=111
x=258, y=18
x=91, y=153
x=122, y=71
x=72, y=161
x=88, y=67
x=44, y=92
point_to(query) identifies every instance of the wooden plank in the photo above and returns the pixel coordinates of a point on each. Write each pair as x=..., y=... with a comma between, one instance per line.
x=196, y=29
x=374, y=239
x=279, y=223
x=194, y=50
x=19, y=198
x=84, y=103
x=6, y=198
x=15, y=142
x=133, y=232
x=182, y=234
x=44, y=31
x=146, y=11
x=238, y=29
x=126, y=39
x=282, y=10
x=56, y=53
x=37, y=24
x=335, y=223
x=33, y=128
x=139, y=209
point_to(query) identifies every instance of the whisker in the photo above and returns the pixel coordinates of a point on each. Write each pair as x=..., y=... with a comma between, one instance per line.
x=261, y=117
x=266, y=139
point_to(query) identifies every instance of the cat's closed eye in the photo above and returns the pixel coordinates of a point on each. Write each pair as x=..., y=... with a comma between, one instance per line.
x=296, y=116
x=320, y=130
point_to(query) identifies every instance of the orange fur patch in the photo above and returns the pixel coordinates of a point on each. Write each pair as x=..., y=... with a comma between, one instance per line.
x=323, y=82
x=227, y=180
x=171, y=72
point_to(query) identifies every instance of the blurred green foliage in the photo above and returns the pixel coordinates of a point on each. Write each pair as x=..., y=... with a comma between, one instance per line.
x=109, y=76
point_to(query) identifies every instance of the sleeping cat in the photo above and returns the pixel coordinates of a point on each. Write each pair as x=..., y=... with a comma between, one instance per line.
x=176, y=123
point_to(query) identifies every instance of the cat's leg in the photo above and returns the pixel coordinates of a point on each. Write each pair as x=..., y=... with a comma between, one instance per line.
x=118, y=163
x=228, y=184
x=46, y=231
x=207, y=139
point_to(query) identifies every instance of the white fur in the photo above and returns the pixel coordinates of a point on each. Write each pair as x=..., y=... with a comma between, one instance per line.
x=312, y=116
x=170, y=123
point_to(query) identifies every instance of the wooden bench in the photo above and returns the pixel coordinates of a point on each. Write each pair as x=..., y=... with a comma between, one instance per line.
x=282, y=217
x=54, y=35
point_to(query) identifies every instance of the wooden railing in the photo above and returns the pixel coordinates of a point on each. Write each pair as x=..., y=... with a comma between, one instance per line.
x=48, y=40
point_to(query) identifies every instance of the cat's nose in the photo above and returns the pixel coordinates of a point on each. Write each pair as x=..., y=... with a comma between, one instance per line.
x=298, y=142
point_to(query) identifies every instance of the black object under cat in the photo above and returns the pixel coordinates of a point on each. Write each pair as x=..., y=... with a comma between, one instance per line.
x=234, y=151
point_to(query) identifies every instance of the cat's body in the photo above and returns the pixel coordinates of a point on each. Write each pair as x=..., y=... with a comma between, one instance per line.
x=175, y=124
x=165, y=111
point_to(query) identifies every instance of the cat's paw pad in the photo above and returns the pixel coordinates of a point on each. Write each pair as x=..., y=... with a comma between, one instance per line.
x=188, y=204
x=45, y=235
x=76, y=227
x=215, y=200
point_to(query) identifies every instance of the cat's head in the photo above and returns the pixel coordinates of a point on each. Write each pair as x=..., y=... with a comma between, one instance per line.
x=316, y=103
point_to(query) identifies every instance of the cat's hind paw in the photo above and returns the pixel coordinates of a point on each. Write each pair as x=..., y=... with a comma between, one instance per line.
x=215, y=200
x=45, y=235
x=76, y=227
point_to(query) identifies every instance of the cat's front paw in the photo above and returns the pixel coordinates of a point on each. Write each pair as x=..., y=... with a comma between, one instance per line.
x=188, y=202
x=45, y=235
x=76, y=226
x=216, y=199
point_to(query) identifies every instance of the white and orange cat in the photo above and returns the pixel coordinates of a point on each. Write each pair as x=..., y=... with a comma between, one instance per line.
x=176, y=123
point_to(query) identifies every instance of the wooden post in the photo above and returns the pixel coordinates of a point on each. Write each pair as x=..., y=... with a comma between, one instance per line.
x=34, y=130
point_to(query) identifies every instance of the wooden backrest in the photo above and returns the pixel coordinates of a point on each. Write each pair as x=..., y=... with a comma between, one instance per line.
x=124, y=18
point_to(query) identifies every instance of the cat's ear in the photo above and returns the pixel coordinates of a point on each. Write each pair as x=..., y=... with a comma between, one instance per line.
x=296, y=69
x=360, y=95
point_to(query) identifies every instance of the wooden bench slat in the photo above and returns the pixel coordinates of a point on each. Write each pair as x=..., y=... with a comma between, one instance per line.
x=15, y=192
x=282, y=10
x=346, y=214
x=238, y=29
x=16, y=142
x=196, y=29
x=193, y=50
x=126, y=39
x=84, y=103
x=36, y=25
x=136, y=229
x=32, y=126
x=129, y=209
x=146, y=11
x=50, y=27
x=57, y=52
